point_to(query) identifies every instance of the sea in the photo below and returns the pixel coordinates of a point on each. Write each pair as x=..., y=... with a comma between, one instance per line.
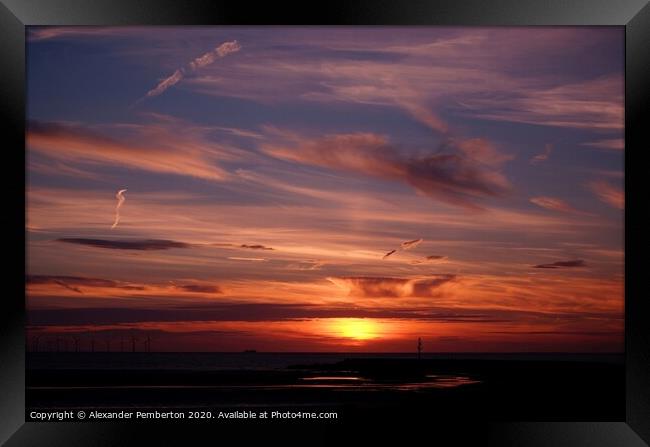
x=519, y=386
x=260, y=361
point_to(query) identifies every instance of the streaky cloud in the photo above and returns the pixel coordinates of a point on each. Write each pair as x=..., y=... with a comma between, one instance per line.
x=459, y=172
x=539, y=158
x=167, y=146
x=120, y=200
x=410, y=244
x=553, y=204
x=615, y=144
x=253, y=312
x=608, y=194
x=562, y=264
x=309, y=264
x=75, y=283
x=388, y=254
x=208, y=58
x=428, y=259
x=121, y=244
x=255, y=247
x=198, y=288
x=407, y=245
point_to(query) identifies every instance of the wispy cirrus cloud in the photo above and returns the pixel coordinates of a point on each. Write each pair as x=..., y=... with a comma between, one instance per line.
x=553, y=204
x=248, y=259
x=616, y=144
x=281, y=212
x=542, y=157
x=608, y=194
x=428, y=259
x=76, y=283
x=120, y=200
x=407, y=245
x=36, y=34
x=459, y=172
x=592, y=104
x=198, y=288
x=176, y=289
x=164, y=146
x=309, y=264
x=202, y=61
x=448, y=72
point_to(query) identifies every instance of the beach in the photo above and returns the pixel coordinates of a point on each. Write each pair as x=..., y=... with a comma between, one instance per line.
x=497, y=387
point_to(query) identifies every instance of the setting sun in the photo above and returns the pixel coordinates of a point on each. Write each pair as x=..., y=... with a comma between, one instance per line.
x=334, y=222
x=355, y=328
x=355, y=190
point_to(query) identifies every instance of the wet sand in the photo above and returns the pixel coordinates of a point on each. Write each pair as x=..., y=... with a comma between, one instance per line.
x=505, y=389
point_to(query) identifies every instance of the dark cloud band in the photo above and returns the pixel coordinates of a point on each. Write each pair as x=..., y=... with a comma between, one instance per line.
x=562, y=264
x=144, y=244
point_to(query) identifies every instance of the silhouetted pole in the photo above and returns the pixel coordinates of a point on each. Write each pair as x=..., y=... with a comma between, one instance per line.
x=122, y=344
x=132, y=343
x=419, y=348
x=92, y=344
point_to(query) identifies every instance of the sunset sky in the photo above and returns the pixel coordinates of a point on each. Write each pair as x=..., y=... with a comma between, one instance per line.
x=270, y=171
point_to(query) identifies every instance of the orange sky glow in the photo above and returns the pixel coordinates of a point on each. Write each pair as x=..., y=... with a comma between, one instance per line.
x=273, y=178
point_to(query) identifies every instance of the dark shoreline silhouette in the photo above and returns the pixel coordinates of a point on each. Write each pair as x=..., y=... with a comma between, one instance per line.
x=497, y=387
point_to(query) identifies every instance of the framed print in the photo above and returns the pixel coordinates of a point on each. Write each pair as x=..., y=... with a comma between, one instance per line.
x=409, y=216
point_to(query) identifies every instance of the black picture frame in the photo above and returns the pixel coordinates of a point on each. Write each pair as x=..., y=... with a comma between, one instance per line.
x=634, y=15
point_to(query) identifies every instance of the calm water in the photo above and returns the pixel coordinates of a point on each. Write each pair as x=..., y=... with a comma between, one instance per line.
x=217, y=361
x=338, y=383
x=211, y=380
x=234, y=362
